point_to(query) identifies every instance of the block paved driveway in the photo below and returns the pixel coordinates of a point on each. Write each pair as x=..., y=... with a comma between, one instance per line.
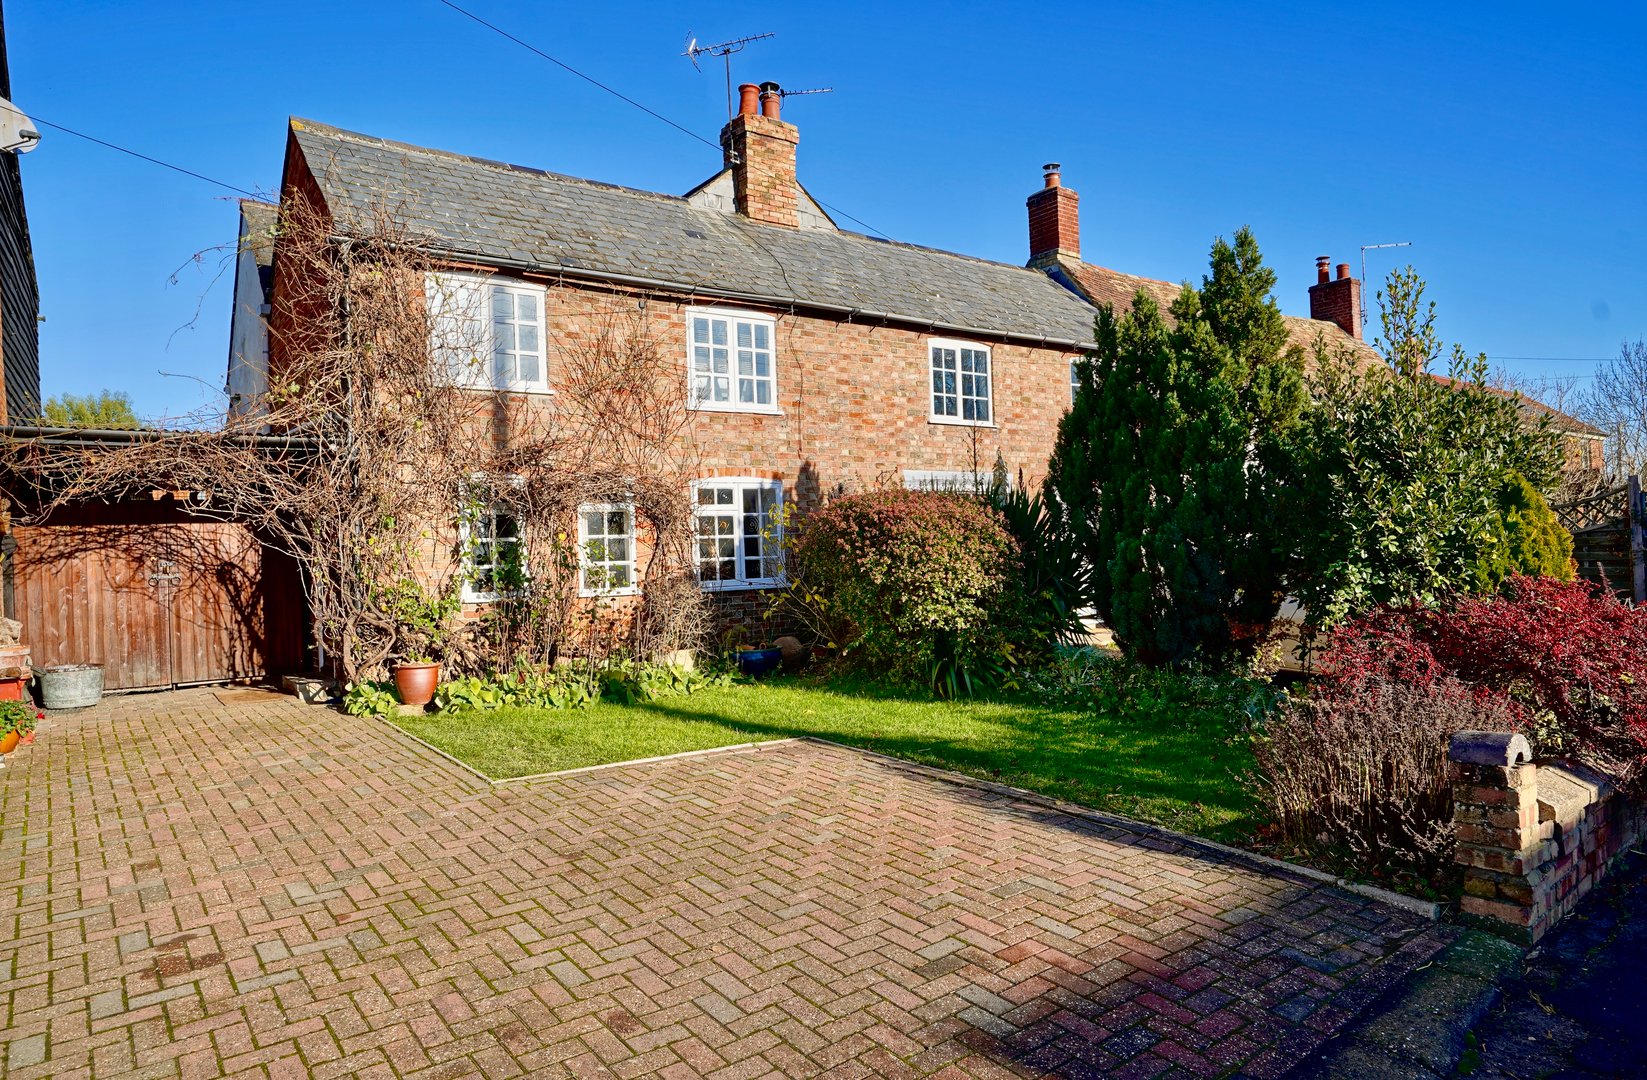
x=197, y=889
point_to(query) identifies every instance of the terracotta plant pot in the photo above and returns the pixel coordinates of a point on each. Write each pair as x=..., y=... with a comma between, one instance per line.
x=415, y=683
x=8, y=742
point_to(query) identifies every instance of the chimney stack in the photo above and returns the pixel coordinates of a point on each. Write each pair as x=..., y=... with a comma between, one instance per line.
x=1336, y=300
x=1054, y=220
x=760, y=150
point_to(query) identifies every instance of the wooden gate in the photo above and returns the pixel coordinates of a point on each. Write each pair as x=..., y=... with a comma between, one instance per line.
x=157, y=597
x=1607, y=539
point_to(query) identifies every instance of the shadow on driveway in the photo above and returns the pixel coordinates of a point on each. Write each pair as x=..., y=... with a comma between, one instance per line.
x=1580, y=1010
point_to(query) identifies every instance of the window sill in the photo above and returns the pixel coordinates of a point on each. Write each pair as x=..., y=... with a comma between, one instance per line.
x=595, y=594
x=482, y=388
x=956, y=421
x=741, y=586
x=753, y=410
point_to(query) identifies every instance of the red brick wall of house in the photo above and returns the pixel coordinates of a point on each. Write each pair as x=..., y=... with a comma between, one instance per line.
x=854, y=398
x=854, y=401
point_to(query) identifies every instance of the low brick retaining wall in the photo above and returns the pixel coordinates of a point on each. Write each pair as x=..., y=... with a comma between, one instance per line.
x=1532, y=838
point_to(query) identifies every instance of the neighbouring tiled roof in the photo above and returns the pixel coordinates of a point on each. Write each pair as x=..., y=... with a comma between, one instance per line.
x=1534, y=410
x=510, y=215
x=1106, y=286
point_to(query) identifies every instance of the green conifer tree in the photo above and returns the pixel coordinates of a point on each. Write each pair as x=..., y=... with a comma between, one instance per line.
x=1173, y=466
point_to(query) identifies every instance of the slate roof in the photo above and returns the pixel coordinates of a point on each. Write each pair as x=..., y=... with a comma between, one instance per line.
x=509, y=215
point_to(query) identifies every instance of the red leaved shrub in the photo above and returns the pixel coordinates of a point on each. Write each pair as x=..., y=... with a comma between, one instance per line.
x=1570, y=660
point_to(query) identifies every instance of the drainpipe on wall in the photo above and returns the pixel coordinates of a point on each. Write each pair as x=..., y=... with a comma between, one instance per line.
x=8, y=574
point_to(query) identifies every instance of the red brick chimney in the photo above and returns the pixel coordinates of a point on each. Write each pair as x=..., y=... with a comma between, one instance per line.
x=760, y=151
x=1336, y=300
x=1054, y=220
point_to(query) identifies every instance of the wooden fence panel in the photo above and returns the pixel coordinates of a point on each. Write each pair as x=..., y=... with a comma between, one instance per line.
x=157, y=597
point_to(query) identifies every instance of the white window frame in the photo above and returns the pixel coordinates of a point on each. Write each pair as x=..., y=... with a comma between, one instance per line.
x=466, y=538
x=739, y=534
x=934, y=416
x=961, y=481
x=475, y=291
x=733, y=317
x=585, y=564
x=1075, y=363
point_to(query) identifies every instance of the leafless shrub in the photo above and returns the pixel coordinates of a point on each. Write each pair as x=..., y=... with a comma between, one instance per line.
x=1361, y=776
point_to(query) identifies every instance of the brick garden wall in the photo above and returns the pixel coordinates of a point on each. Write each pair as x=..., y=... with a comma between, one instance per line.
x=1533, y=839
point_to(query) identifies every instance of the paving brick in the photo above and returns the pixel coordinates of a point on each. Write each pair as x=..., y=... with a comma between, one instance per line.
x=273, y=889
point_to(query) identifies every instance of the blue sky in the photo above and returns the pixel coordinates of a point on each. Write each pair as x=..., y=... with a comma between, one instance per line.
x=1507, y=141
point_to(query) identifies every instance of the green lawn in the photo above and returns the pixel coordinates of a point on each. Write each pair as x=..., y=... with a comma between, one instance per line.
x=1182, y=774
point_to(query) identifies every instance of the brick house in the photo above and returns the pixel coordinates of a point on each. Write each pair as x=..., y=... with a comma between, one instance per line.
x=815, y=359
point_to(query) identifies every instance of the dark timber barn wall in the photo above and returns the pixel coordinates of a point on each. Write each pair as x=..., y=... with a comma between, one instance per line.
x=158, y=597
x=19, y=291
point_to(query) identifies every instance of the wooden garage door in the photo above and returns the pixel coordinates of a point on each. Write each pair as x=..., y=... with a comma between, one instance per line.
x=156, y=597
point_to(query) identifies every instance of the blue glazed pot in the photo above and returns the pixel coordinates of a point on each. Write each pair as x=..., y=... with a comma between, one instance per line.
x=758, y=662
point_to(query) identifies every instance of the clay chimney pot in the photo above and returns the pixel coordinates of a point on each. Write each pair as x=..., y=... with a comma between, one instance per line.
x=1343, y=271
x=1323, y=268
x=748, y=99
x=771, y=100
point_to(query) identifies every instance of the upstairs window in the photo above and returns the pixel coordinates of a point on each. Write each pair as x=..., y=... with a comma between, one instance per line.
x=488, y=332
x=960, y=383
x=606, y=543
x=1076, y=366
x=738, y=527
x=730, y=361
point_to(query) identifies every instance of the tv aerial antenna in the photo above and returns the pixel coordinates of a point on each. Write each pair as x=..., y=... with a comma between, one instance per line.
x=802, y=93
x=724, y=50
x=1373, y=247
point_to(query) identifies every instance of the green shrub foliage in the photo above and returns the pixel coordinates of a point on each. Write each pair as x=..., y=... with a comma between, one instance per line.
x=1039, y=611
x=1175, y=468
x=913, y=577
x=1407, y=473
x=1530, y=539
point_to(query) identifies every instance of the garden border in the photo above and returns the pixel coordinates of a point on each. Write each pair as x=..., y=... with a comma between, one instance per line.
x=1423, y=908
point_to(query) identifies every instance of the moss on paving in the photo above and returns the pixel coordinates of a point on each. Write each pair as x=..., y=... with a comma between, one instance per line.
x=1182, y=771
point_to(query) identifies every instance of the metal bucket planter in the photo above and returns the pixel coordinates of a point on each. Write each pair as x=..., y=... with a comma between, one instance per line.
x=70, y=686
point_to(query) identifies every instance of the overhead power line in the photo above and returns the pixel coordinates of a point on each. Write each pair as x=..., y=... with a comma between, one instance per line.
x=592, y=81
x=145, y=157
x=1561, y=359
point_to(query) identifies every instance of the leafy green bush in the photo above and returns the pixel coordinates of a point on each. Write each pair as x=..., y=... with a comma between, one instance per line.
x=574, y=686
x=913, y=578
x=1114, y=686
x=370, y=699
x=18, y=716
x=1531, y=540
x=1407, y=470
